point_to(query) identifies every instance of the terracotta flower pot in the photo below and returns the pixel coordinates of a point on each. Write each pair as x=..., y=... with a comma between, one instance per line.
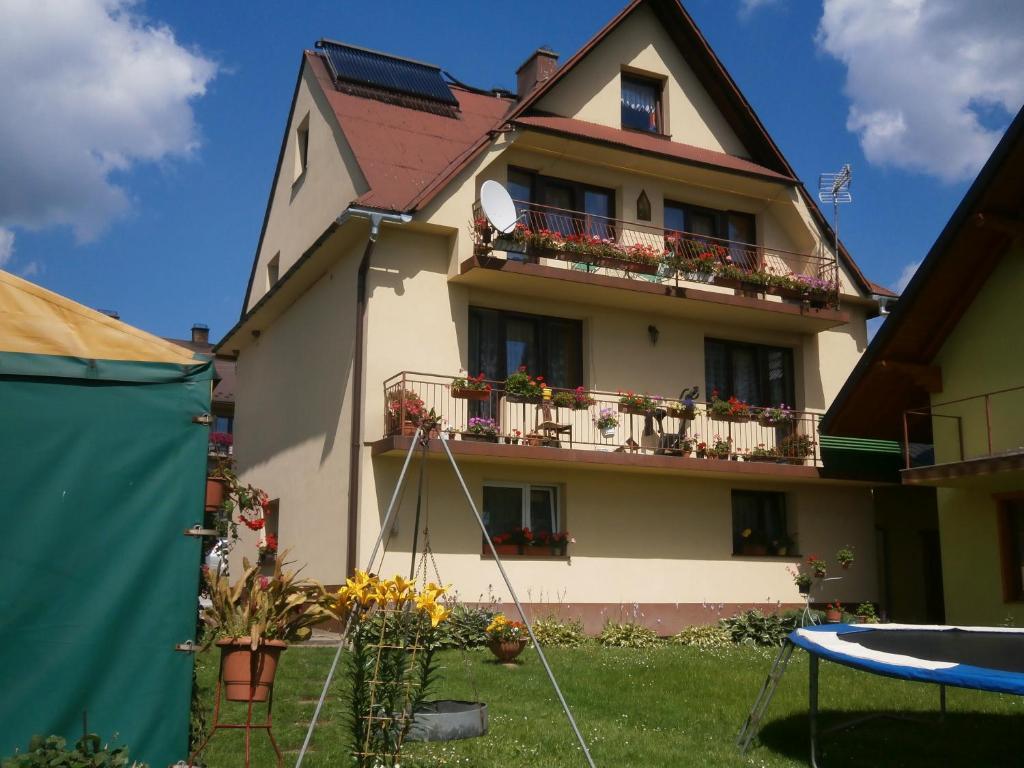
x=247, y=674
x=470, y=394
x=507, y=650
x=216, y=489
x=833, y=617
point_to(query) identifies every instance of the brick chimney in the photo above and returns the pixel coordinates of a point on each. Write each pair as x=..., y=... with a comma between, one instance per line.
x=537, y=69
x=200, y=334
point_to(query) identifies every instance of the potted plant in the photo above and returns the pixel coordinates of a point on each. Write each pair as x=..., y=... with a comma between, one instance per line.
x=506, y=638
x=834, y=612
x=267, y=549
x=818, y=566
x=845, y=556
x=607, y=422
x=405, y=409
x=576, y=399
x=774, y=416
x=796, y=447
x=630, y=402
x=802, y=579
x=784, y=546
x=481, y=429
x=520, y=387
x=700, y=447
x=482, y=229
x=720, y=447
x=514, y=437
x=866, y=613
x=733, y=409
x=253, y=620
x=220, y=443
x=643, y=258
x=559, y=542
x=760, y=453
x=470, y=387
x=754, y=543
x=681, y=409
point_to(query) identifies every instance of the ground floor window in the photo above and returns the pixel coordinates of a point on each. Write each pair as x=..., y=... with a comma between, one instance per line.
x=512, y=508
x=1011, y=523
x=759, y=525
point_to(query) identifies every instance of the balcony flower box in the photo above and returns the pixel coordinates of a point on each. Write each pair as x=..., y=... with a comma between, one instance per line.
x=470, y=394
x=473, y=437
x=731, y=418
x=470, y=387
x=406, y=428
x=684, y=412
x=506, y=549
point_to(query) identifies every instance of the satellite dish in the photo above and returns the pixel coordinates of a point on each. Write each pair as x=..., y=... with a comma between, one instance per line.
x=498, y=207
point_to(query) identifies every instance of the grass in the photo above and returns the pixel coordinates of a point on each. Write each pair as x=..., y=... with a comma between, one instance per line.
x=670, y=706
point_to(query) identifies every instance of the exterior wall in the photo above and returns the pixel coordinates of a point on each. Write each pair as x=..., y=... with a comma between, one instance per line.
x=641, y=538
x=591, y=91
x=905, y=516
x=979, y=357
x=293, y=416
x=302, y=208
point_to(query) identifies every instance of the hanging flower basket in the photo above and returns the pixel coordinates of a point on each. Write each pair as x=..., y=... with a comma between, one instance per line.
x=216, y=489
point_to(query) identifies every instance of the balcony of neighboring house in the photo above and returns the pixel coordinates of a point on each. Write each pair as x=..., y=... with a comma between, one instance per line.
x=515, y=421
x=568, y=255
x=970, y=441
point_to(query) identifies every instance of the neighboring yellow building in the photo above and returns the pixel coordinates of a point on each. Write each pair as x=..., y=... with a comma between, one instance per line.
x=665, y=244
x=946, y=372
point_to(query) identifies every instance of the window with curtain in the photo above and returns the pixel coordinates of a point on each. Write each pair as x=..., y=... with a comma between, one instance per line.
x=520, y=505
x=571, y=197
x=641, y=104
x=758, y=374
x=697, y=220
x=500, y=342
x=759, y=523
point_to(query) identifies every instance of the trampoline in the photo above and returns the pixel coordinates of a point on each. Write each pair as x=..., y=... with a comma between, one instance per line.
x=982, y=658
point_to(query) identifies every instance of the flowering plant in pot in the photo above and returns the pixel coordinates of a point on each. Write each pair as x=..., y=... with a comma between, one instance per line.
x=681, y=409
x=844, y=556
x=220, y=443
x=818, y=566
x=267, y=549
x=761, y=453
x=801, y=578
x=720, y=448
x=557, y=541
x=732, y=409
x=481, y=428
x=470, y=387
x=521, y=387
x=506, y=638
x=775, y=416
x=865, y=613
x=834, y=612
x=254, y=619
x=607, y=421
x=405, y=410
x=796, y=447
x=234, y=503
x=753, y=543
x=631, y=402
x=577, y=399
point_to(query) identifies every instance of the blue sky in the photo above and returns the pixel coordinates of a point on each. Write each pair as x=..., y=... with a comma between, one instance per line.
x=178, y=246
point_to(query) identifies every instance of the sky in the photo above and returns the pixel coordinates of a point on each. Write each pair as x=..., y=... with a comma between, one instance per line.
x=138, y=140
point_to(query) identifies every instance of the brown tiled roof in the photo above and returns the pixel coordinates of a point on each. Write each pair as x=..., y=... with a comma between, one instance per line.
x=401, y=150
x=224, y=386
x=881, y=290
x=649, y=143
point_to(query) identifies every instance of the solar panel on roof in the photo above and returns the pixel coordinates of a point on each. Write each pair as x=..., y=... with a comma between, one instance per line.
x=390, y=73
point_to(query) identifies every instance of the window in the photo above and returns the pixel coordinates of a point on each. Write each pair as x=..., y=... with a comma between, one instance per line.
x=508, y=506
x=570, y=197
x=757, y=374
x=500, y=342
x=641, y=104
x=726, y=225
x=1011, y=524
x=223, y=424
x=273, y=270
x=759, y=523
x=301, y=147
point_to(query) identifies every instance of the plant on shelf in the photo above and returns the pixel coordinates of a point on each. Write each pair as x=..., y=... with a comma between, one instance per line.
x=680, y=409
x=521, y=387
x=700, y=447
x=470, y=387
x=578, y=399
x=844, y=556
x=481, y=428
x=761, y=453
x=557, y=541
x=773, y=416
x=817, y=566
x=514, y=437
x=732, y=409
x=644, y=256
x=405, y=410
x=607, y=421
x=834, y=612
x=720, y=448
x=267, y=549
x=630, y=402
x=783, y=546
x=796, y=447
x=865, y=613
x=801, y=578
x=753, y=542
x=506, y=638
x=220, y=443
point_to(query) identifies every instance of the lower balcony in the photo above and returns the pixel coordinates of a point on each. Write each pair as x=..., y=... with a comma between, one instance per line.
x=486, y=420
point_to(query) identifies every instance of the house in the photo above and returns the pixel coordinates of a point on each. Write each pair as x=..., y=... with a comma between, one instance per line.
x=665, y=244
x=946, y=371
x=222, y=407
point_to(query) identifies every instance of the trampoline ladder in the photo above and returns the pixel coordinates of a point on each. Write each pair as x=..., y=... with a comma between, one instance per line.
x=752, y=725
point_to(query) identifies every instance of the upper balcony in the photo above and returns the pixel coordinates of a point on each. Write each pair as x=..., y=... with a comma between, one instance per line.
x=588, y=428
x=571, y=255
x=974, y=438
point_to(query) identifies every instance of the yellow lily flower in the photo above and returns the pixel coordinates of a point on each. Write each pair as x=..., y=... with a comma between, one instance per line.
x=438, y=614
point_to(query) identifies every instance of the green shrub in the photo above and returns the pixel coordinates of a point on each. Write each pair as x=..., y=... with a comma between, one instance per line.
x=465, y=628
x=706, y=637
x=628, y=635
x=52, y=752
x=559, y=634
x=756, y=628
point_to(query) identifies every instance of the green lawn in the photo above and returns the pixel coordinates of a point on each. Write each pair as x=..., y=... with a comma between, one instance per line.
x=670, y=706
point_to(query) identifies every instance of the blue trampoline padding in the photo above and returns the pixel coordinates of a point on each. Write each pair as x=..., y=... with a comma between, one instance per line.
x=839, y=643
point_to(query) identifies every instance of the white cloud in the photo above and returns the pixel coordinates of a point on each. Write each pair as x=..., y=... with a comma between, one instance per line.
x=6, y=245
x=905, y=276
x=31, y=269
x=747, y=7
x=88, y=89
x=925, y=78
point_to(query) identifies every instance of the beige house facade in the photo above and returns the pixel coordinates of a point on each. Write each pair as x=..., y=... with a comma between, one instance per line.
x=378, y=280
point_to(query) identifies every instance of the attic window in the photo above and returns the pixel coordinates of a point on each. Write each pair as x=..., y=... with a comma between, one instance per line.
x=641, y=104
x=273, y=270
x=301, y=147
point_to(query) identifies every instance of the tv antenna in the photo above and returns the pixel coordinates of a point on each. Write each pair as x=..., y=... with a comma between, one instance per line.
x=835, y=188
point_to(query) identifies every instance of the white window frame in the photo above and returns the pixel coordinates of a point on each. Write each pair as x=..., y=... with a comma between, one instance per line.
x=526, y=488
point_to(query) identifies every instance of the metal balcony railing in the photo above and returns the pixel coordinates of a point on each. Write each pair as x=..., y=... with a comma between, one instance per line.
x=592, y=243
x=663, y=427
x=980, y=426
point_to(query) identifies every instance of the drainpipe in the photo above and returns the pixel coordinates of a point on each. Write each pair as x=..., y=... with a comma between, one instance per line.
x=375, y=218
